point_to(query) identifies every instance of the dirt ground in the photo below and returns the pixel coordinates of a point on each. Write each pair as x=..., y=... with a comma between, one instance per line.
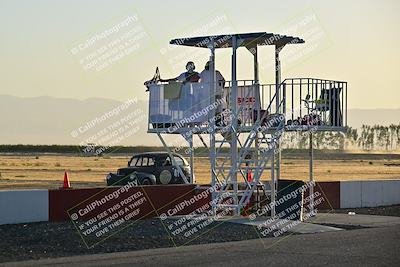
x=46, y=171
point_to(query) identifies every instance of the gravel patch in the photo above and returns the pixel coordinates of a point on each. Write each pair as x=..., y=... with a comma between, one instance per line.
x=49, y=240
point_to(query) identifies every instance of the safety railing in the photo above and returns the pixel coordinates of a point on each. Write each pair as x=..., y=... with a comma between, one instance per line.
x=315, y=102
x=306, y=101
x=177, y=105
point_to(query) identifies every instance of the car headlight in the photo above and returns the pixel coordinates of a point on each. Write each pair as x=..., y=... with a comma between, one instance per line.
x=108, y=177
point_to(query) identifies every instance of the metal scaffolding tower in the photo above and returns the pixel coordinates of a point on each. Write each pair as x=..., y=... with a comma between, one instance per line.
x=247, y=142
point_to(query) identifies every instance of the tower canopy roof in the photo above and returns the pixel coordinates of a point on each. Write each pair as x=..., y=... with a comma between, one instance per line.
x=243, y=39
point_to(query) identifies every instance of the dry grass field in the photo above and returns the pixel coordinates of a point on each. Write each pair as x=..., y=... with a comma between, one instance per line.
x=46, y=171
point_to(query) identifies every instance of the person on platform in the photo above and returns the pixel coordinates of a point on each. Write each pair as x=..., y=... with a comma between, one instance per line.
x=188, y=76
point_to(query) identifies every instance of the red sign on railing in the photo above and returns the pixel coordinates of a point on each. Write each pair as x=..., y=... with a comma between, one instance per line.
x=246, y=100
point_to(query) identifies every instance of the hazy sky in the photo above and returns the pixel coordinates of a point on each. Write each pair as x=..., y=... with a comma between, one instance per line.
x=47, y=47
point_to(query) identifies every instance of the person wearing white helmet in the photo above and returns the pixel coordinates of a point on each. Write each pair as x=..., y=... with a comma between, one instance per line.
x=188, y=76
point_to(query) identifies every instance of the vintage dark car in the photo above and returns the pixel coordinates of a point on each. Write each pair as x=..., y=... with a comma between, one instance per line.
x=151, y=168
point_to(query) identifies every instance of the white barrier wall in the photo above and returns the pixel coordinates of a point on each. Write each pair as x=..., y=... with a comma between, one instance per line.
x=369, y=193
x=350, y=194
x=21, y=206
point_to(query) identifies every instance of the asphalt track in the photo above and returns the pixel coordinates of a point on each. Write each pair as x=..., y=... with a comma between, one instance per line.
x=361, y=247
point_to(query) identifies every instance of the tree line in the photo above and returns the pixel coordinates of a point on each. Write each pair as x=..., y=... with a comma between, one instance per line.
x=376, y=137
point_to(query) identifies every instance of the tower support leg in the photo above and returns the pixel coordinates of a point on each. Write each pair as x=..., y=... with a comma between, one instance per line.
x=174, y=163
x=273, y=185
x=234, y=128
x=191, y=153
x=311, y=178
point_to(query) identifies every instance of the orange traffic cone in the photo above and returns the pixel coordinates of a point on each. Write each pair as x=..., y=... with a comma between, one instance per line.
x=66, y=184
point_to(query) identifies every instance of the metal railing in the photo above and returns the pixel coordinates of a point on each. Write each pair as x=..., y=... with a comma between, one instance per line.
x=306, y=101
x=316, y=102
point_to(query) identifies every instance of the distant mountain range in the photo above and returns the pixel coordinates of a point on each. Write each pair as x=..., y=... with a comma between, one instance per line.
x=48, y=120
